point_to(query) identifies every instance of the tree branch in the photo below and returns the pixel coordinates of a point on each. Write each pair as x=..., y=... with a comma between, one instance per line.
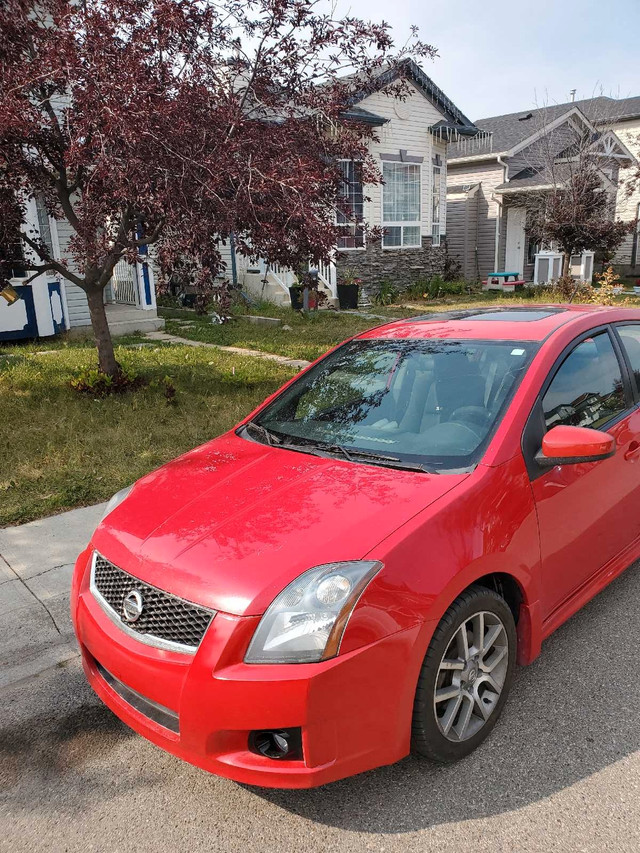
x=38, y=271
x=52, y=263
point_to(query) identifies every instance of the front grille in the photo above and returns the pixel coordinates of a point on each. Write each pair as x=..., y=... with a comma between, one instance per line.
x=165, y=620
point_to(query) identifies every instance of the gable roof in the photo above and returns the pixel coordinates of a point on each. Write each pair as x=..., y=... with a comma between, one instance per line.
x=512, y=129
x=410, y=70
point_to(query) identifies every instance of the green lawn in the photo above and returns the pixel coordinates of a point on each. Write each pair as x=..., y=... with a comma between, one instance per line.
x=61, y=450
x=308, y=336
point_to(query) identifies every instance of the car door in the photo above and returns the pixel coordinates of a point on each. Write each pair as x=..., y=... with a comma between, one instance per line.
x=587, y=512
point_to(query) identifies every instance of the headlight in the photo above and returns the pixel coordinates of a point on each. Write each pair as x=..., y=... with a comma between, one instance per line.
x=116, y=500
x=306, y=621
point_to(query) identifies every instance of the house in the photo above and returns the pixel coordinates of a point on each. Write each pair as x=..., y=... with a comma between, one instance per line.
x=624, y=120
x=491, y=179
x=412, y=138
x=49, y=304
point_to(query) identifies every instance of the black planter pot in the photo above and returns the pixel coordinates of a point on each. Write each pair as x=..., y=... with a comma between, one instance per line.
x=348, y=296
x=296, y=298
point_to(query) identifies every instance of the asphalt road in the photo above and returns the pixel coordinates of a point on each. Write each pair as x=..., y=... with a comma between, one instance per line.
x=560, y=773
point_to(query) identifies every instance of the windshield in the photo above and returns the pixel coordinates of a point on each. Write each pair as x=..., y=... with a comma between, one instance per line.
x=432, y=402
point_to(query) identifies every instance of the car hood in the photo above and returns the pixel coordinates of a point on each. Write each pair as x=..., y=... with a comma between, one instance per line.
x=231, y=523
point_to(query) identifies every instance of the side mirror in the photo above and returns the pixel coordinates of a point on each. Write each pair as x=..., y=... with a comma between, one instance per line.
x=566, y=445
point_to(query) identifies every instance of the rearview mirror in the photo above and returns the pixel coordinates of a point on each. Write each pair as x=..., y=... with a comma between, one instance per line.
x=567, y=445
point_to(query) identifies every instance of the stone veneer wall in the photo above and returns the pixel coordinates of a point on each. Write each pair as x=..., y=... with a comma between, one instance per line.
x=401, y=267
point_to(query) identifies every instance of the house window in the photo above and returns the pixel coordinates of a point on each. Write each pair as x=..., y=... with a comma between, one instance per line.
x=44, y=226
x=401, y=205
x=12, y=263
x=350, y=212
x=436, y=190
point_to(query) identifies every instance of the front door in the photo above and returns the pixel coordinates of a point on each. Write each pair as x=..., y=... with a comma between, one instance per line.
x=514, y=257
x=587, y=512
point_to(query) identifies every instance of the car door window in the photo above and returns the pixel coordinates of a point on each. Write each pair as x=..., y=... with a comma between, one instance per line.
x=588, y=389
x=630, y=337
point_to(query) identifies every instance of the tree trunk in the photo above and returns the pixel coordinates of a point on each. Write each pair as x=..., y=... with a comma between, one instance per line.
x=106, y=357
x=566, y=265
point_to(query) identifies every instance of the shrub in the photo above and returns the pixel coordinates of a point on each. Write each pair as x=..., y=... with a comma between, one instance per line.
x=386, y=293
x=94, y=383
x=418, y=290
x=435, y=286
x=452, y=269
x=168, y=300
x=453, y=288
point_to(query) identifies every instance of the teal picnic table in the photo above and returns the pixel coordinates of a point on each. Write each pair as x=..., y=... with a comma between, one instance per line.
x=505, y=275
x=503, y=281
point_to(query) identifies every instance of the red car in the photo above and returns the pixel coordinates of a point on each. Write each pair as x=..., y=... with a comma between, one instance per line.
x=354, y=571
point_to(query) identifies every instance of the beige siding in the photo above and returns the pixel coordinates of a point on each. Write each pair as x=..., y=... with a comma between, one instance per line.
x=627, y=206
x=462, y=217
x=412, y=135
x=479, y=217
x=76, y=298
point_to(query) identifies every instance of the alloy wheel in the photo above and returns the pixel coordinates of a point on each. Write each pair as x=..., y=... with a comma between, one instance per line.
x=471, y=676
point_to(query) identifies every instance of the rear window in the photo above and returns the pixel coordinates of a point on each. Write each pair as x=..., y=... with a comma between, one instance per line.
x=630, y=337
x=432, y=401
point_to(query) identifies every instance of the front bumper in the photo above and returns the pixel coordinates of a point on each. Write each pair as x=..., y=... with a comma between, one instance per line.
x=354, y=710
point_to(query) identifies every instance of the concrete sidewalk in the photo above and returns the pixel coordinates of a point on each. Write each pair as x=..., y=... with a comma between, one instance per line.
x=36, y=564
x=165, y=337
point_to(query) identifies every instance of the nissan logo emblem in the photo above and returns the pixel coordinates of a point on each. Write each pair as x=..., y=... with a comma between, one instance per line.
x=132, y=606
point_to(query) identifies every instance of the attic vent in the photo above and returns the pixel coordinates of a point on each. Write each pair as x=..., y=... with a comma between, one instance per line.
x=526, y=118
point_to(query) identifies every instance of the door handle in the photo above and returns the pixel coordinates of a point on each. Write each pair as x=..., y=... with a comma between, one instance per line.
x=633, y=450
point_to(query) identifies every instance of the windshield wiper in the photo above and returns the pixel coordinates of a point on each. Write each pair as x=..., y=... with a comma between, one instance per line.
x=388, y=461
x=269, y=437
x=352, y=454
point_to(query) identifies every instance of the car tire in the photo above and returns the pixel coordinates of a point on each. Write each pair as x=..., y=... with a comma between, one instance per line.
x=460, y=694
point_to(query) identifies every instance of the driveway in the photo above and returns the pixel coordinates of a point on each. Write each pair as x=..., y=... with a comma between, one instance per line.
x=560, y=773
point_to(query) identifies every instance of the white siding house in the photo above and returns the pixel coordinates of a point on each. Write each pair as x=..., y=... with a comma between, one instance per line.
x=412, y=137
x=50, y=304
x=628, y=205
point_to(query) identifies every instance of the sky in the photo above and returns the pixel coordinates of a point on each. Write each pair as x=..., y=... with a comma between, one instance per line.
x=502, y=56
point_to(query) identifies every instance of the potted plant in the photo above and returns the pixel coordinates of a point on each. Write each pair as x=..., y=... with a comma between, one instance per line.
x=307, y=283
x=348, y=288
x=296, y=295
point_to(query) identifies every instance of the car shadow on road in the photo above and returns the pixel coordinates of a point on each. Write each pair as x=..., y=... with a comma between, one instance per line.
x=571, y=713
x=69, y=737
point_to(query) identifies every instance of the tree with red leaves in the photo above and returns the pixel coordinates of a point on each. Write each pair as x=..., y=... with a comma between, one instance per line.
x=177, y=123
x=575, y=209
x=577, y=216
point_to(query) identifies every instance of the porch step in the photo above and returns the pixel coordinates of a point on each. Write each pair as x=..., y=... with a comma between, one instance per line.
x=269, y=290
x=125, y=320
x=136, y=324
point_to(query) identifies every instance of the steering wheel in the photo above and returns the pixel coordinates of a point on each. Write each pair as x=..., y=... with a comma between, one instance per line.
x=450, y=435
x=471, y=416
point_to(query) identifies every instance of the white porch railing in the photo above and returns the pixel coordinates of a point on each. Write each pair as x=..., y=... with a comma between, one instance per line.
x=124, y=284
x=328, y=276
x=283, y=276
x=548, y=267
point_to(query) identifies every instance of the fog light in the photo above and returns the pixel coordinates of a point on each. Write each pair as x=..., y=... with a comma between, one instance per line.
x=279, y=744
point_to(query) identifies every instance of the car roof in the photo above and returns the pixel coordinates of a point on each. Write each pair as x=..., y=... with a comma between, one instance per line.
x=518, y=323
